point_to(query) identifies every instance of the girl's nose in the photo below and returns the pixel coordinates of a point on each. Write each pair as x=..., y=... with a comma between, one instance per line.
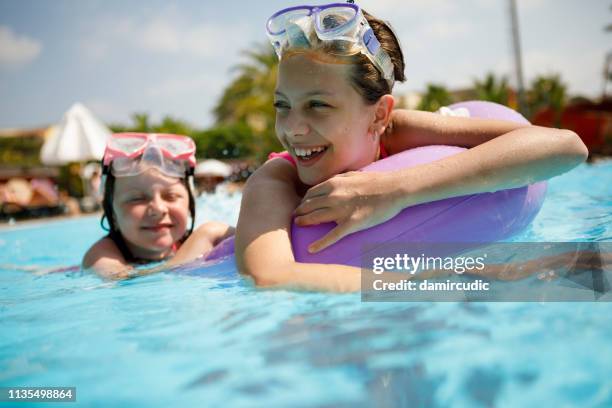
x=157, y=206
x=295, y=125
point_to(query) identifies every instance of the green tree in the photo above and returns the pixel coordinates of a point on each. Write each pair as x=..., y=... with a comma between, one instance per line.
x=141, y=122
x=224, y=142
x=547, y=91
x=118, y=128
x=172, y=125
x=434, y=98
x=492, y=89
x=249, y=99
x=22, y=151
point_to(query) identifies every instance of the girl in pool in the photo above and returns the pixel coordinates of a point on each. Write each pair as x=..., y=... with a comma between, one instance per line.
x=147, y=203
x=334, y=115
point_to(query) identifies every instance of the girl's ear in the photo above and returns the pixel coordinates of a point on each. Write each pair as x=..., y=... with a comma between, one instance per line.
x=382, y=114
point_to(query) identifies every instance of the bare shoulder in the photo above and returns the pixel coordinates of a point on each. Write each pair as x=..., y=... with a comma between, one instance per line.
x=263, y=244
x=103, y=247
x=104, y=256
x=274, y=169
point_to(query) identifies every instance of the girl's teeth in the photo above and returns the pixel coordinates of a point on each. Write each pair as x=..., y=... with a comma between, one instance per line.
x=307, y=152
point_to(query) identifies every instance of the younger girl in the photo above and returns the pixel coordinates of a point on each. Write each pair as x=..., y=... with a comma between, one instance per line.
x=147, y=202
x=335, y=115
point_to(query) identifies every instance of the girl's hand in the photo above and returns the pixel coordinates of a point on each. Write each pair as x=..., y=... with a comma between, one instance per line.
x=354, y=200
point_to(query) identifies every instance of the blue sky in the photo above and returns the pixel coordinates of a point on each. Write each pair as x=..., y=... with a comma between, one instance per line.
x=175, y=57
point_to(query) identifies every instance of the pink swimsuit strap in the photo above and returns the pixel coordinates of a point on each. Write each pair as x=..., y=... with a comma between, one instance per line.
x=383, y=151
x=283, y=155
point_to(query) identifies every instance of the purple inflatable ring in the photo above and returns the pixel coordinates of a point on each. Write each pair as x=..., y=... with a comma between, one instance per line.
x=486, y=217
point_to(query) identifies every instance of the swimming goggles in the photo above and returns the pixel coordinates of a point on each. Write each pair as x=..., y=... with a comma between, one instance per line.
x=296, y=27
x=129, y=154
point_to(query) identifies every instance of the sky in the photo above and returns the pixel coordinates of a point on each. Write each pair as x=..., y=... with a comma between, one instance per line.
x=176, y=57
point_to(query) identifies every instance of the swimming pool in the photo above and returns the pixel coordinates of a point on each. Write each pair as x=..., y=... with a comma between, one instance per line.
x=179, y=340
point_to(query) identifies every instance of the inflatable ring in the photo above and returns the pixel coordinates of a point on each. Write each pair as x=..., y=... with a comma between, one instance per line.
x=485, y=217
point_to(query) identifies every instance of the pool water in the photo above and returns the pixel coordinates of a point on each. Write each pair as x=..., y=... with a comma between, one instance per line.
x=181, y=340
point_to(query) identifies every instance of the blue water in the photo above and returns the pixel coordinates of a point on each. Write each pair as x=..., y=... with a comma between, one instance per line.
x=179, y=340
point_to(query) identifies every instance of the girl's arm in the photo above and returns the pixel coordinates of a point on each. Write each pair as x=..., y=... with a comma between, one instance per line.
x=263, y=245
x=408, y=129
x=201, y=241
x=106, y=260
x=506, y=155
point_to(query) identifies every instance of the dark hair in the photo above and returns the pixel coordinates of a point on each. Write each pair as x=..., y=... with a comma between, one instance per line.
x=113, y=230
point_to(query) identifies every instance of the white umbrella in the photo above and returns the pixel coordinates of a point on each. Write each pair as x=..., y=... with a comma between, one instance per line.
x=212, y=167
x=79, y=137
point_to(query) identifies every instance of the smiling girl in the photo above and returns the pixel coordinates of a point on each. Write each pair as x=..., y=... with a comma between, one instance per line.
x=149, y=206
x=335, y=115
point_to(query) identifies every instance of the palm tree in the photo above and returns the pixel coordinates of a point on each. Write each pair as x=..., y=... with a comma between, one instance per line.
x=249, y=99
x=141, y=122
x=492, y=89
x=224, y=142
x=435, y=97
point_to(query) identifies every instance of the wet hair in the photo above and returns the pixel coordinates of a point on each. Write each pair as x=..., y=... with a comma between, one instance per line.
x=113, y=230
x=365, y=77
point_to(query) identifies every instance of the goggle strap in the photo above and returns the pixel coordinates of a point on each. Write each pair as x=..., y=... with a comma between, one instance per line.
x=191, y=185
x=380, y=57
x=296, y=35
x=370, y=41
x=102, y=186
x=385, y=64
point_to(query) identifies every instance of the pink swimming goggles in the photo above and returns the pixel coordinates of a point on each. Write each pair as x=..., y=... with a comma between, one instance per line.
x=129, y=154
